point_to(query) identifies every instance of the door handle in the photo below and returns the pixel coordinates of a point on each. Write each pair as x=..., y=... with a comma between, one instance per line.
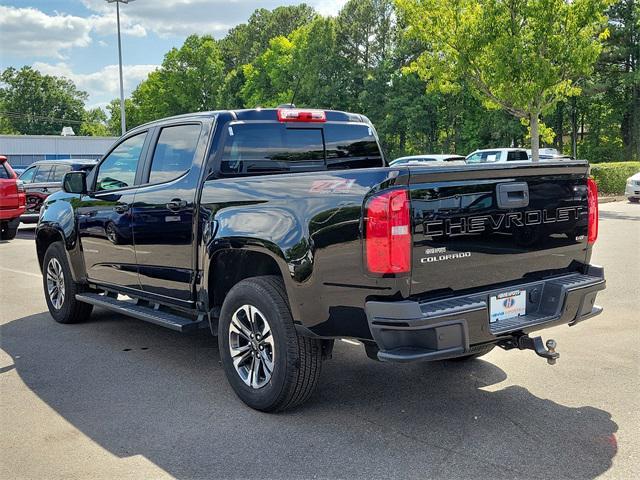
x=176, y=204
x=512, y=195
x=121, y=208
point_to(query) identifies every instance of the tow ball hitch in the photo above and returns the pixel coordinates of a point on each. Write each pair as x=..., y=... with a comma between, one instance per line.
x=525, y=342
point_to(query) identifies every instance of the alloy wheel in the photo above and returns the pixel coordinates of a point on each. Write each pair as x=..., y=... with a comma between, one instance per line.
x=55, y=283
x=251, y=346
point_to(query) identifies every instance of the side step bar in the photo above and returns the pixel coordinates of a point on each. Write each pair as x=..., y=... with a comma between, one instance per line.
x=148, y=314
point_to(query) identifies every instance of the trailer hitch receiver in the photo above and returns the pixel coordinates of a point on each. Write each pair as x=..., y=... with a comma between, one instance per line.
x=525, y=342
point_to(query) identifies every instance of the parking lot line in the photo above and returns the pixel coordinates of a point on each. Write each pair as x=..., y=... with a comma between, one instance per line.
x=11, y=270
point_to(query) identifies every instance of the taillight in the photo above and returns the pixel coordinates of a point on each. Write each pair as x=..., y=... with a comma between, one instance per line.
x=388, y=233
x=296, y=115
x=592, y=197
x=20, y=185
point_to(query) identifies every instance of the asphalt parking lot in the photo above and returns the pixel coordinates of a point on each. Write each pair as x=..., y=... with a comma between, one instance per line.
x=119, y=398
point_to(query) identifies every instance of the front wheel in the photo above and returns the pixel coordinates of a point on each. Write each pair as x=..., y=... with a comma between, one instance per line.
x=634, y=199
x=269, y=366
x=60, y=289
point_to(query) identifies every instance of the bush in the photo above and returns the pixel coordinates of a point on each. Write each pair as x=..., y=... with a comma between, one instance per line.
x=612, y=177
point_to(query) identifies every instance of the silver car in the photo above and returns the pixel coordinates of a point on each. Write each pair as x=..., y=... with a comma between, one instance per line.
x=632, y=190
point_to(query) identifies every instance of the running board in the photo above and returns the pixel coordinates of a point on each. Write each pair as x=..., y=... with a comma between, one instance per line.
x=148, y=314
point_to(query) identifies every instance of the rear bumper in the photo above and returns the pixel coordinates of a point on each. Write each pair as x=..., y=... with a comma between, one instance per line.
x=8, y=214
x=29, y=218
x=407, y=331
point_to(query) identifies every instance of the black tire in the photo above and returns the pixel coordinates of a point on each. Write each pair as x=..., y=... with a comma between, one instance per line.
x=479, y=352
x=634, y=199
x=296, y=360
x=9, y=230
x=69, y=310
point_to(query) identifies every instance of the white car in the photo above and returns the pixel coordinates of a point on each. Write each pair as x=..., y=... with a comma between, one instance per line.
x=495, y=155
x=436, y=158
x=632, y=190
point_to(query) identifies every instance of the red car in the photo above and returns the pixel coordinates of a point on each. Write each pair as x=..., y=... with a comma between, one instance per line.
x=12, y=200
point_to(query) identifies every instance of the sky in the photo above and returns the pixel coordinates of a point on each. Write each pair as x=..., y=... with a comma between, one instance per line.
x=77, y=38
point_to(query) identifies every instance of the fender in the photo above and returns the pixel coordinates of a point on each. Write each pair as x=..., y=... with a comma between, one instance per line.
x=58, y=218
x=275, y=232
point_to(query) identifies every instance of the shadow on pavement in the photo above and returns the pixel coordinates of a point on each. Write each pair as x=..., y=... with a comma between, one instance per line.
x=139, y=389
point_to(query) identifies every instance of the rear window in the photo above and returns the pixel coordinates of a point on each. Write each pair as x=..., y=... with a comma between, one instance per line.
x=4, y=173
x=257, y=148
x=518, y=155
x=351, y=146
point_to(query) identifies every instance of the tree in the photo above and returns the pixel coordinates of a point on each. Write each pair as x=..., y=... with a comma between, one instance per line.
x=523, y=56
x=618, y=73
x=36, y=104
x=94, y=123
x=245, y=42
x=187, y=81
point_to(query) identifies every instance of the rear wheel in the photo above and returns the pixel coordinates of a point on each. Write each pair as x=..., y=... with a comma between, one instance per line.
x=634, y=199
x=60, y=289
x=9, y=230
x=269, y=366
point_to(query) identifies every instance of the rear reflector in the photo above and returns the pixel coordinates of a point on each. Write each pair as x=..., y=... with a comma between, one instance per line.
x=388, y=233
x=592, y=197
x=296, y=115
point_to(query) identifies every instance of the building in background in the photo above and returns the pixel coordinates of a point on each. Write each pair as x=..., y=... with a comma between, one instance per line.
x=23, y=150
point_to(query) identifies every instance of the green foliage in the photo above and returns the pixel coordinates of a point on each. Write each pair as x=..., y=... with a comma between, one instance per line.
x=188, y=81
x=612, y=177
x=95, y=123
x=38, y=104
x=521, y=56
x=434, y=76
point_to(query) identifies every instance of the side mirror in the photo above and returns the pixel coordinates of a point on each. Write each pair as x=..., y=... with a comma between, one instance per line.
x=75, y=182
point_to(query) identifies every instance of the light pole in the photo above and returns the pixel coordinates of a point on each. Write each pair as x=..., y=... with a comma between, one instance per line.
x=123, y=121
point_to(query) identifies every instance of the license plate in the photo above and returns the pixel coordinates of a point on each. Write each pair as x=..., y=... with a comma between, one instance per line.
x=507, y=305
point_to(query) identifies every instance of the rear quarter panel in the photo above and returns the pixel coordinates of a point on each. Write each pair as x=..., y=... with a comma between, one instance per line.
x=311, y=225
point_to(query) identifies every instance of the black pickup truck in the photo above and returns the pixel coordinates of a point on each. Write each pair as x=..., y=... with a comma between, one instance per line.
x=282, y=230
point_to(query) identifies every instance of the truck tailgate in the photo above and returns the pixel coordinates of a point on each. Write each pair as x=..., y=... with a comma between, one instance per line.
x=486, y=225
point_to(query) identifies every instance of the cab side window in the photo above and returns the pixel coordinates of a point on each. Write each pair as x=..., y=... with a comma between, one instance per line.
x=59, y=172
x=118, y=170
x=42, y=175
x=174, y=152
x=27, y=175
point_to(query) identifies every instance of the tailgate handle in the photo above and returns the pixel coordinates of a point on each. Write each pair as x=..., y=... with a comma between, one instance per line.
x=513, y=195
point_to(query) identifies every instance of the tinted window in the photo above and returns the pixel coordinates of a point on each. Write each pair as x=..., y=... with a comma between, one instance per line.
x=118, y=170
x=174, y=152
x=517, y=156
x=351, y=146
x=271, y=147
x=59, y=172
x=4, y=173
x=27, y=175
x=42, y=175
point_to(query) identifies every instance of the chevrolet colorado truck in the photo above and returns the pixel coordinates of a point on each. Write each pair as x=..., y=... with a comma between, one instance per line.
x=283, y=229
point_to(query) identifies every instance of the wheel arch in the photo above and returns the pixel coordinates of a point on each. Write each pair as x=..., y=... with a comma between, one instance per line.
x=49, y=234
x=230, y=265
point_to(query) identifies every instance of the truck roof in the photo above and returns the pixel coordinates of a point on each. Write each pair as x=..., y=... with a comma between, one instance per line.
x=260, y=114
